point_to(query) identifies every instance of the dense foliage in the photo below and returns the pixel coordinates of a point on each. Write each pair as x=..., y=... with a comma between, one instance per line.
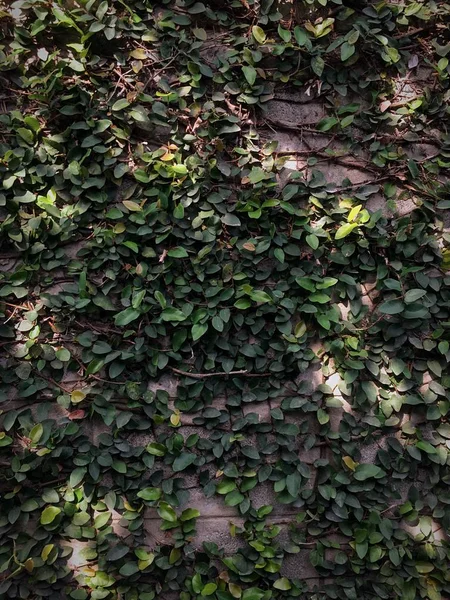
x=145, y=234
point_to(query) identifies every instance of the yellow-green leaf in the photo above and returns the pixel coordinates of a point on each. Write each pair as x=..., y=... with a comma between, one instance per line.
x=46, y=551
x=354, y=213
x=258, y=34
x=345, y=230
x=132, y=206
x=282, y=584
x=77, y=396
x=36, y=433
x=49, y=514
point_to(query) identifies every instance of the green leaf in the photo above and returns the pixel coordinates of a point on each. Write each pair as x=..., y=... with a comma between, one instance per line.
x=156, y=449
x=284, y=34
x=26, y=135
x=49, y=514
x=161, y=299
x=300, y=329
x=347, y=50
x=198, y=330
x=249, y=74
x=178, y=211
x=260, y=297
x=393, y=54
x=149, y=493
x=318, y=65
x=63, y=18
x=196, y=9
x=25, y=198
x=443, y=64
x=117, y=552
x=345, y=230
x=257, y=175
x=322, y=416
x=77, y=476
x=253, y=593
x=362, y=549
x=218, y=324
x=173, y=315
x=444, y=430
x=189, y=514
x=367, y=471
x=327, y=123
x=424, y=567
x=426, y=447
x=209, y=589
x=226, y=486
x=413, y=295
x=371, y=391
x=293, y=483
x=327, y=282
x=435, y=367
x=197, y=584
x=391, y=307
x=95, y=366
x=200, y=33
x=166, y=512
x=174, y=555
x=32, y=123
x=279, y=255
x=231, y=220
x=102, y=10
x=313, y=241
x=376, y=552
x=5, y=440
x=180, y=169
x=128, y=569
x=77, y=66
x=413, y=169
x=119, y=465
x=346, y=121
x=120, y=104
x=306, y=283
x=177, y=252
x=319, y=297
x=132, y=206
x=234, y=498
x=182, y=462
x=126, y=316
x=63, y=355
x=282, y=584
x=103, y=302
x=102, y=519
x=301, y=36
x=258, y=34
x=36, y=433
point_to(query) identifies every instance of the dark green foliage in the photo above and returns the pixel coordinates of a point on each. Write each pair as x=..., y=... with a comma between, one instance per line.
x=145, y=237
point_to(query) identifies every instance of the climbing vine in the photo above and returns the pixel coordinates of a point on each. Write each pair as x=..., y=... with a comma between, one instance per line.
x=184, y=312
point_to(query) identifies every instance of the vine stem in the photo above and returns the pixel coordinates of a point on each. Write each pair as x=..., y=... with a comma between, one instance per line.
x=413, y=32
x=52, y=381
x=16, y=306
